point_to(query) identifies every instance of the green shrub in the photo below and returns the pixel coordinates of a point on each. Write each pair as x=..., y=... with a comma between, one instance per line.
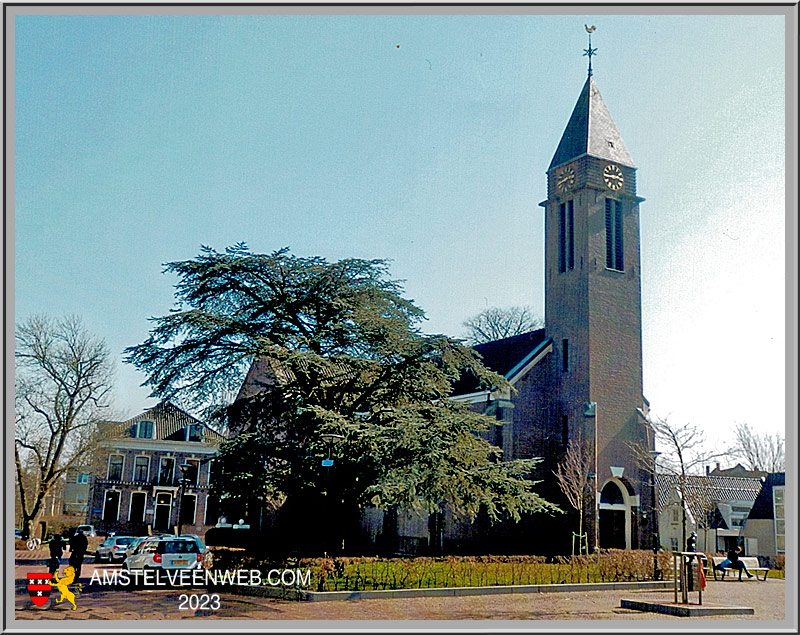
x=374, y=573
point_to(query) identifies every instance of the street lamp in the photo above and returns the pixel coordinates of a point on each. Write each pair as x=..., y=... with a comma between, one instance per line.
x=329, y=438
x=184, y=467
x=654, y=512
x=590, y=412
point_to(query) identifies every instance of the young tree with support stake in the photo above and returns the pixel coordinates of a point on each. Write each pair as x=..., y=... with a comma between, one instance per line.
x=346, y=357
x=572, y=474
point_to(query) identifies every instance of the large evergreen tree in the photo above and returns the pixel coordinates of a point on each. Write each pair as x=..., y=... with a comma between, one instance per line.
x=347, y=375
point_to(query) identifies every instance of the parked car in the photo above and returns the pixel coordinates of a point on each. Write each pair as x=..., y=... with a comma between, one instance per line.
x=133, y=546
x=18, y=534
x=88, y=530
x=160, y=552
x=130, y=548
x=200, y=544
x=112, y=549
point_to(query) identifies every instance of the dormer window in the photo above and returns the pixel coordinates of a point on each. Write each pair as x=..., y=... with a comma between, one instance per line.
x=144, y=429
x=194, y=432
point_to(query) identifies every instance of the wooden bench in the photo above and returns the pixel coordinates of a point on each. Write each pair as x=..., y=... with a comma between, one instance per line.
x=752, y=564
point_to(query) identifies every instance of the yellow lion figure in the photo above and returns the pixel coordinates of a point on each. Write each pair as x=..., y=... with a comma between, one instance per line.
x=63, y=583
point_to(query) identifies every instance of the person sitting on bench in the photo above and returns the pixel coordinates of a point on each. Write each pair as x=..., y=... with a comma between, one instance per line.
x=735, y=563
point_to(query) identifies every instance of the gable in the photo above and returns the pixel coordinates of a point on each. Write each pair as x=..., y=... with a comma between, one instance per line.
x=510, y=357
x=169, y=423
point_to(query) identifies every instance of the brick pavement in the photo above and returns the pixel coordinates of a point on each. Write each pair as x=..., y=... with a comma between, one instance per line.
x=768, y=599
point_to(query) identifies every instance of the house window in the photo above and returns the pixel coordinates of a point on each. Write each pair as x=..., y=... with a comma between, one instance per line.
x=188, y=504
x=780, y=518
x=141, y=466
x=194, y=432
x=144, y=429
x=115, y=463
x=212, y=511
x=566, y=236
x=191, y=473
x=166, y=471
x=138, y=500
x=111, y=506
x=82, y=479
x=565, y=355
x=614, y=235
x=676, y=516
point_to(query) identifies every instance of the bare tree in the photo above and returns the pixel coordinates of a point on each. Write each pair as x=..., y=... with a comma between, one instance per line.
x=760, y=452
x=683, y=453
x=62, y=385
x=496, y=323
x=572, y=474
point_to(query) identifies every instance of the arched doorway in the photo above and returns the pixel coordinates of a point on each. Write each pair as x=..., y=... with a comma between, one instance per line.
x=614, y=514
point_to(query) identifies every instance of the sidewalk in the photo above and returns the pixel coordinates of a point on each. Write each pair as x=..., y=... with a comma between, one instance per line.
x=767, y=598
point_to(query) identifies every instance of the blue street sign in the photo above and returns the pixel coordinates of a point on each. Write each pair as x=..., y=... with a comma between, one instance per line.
x=327, y=462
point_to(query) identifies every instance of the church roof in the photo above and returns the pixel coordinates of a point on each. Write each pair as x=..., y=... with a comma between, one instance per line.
x=505, y=357
x=591, y=131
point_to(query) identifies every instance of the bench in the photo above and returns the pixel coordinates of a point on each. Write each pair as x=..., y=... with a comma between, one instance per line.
x=752, y=564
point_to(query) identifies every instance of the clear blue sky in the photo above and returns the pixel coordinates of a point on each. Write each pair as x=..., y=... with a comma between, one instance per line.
x=421, y=139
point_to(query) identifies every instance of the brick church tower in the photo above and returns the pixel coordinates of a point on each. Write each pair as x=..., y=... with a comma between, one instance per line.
x=593, y=314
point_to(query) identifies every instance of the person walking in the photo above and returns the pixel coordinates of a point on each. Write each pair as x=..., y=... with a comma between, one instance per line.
x=57, y=545
x=78, y=545
x=735, y=563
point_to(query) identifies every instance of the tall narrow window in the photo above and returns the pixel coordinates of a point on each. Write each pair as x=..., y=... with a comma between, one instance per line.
x=564, y=430
x=565, y=355
x=571, y=235
x=141, y=466
x=138, y=500
x=614, y=243
x=115, y=462
x=562, y=238
x=166, y=471
x=566, y=236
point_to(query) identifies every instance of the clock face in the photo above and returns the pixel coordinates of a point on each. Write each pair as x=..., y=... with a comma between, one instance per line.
x=565, y=179
x=612, y=175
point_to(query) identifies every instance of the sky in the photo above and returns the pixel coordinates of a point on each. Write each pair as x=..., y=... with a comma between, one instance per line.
x=416, y=138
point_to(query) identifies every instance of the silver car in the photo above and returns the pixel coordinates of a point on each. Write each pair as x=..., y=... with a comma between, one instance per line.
x=112, y=549
x=174, y=552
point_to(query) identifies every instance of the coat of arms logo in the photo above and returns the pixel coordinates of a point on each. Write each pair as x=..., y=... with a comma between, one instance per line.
x=39, y=587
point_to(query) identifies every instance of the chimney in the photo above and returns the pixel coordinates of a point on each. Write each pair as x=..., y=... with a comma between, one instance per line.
x=708, y=470
x=717, y=466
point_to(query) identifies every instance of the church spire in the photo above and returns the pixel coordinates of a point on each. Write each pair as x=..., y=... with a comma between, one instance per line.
x=591, y=131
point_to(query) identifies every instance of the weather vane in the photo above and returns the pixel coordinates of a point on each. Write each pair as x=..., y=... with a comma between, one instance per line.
x=590, y=51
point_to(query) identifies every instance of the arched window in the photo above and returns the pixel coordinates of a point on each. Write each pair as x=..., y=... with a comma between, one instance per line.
x=612, y=495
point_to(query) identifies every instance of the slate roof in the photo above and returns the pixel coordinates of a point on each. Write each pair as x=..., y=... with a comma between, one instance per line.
x=703, y=492
x=169, y=423
x=592, y=131
x=763, y=508
x=504, y=357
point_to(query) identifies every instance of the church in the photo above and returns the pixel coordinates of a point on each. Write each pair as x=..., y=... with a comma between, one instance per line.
x=578, y=381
